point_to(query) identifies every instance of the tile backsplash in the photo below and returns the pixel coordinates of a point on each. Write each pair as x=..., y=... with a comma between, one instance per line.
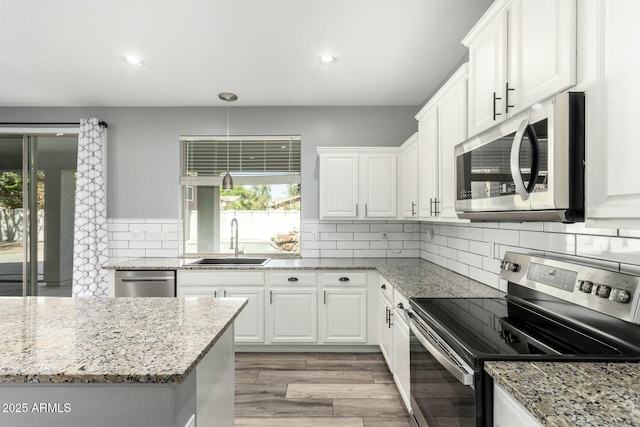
x=474, y=250
x=142, y=238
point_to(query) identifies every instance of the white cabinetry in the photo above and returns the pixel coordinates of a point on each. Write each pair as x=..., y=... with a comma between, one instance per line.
x=409, y=177
x=343, y=308
x=507, y=412
x=442, y=125
x=292, y=308
x=401, y=347
x=385, y=322
x=357, y=183
x=520, y=52
x=612, y=190
x=249, y=325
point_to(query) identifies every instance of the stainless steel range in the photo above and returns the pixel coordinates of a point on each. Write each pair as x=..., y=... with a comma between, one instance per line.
x=554, y=310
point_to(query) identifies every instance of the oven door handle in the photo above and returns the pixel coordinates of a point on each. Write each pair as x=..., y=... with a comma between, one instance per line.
x=461, y=375
x=515, y=160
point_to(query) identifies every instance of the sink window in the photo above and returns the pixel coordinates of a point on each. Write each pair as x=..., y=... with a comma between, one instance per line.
x=265, y=199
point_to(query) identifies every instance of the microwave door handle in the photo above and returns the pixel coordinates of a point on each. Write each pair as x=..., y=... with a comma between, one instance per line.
x=515, y=161
x=535, y=158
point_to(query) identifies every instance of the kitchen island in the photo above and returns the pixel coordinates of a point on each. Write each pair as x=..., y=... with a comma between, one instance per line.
x=117, y=361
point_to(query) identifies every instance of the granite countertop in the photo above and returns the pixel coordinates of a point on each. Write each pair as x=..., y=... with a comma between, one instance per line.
x=109, y=340
x=413, y=277
x=563, y=394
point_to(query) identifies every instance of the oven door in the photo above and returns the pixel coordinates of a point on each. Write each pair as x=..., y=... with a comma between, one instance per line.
x=442, y=384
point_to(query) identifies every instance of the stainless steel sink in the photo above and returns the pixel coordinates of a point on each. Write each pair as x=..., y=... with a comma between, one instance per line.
x=230, y=261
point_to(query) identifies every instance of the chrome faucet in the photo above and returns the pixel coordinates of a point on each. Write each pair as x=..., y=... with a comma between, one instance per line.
x=231, y=246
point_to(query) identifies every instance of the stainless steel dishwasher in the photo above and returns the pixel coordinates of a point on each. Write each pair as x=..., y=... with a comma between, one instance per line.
x=143, y=283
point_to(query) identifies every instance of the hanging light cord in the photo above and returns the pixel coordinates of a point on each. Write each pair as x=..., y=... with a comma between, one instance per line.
x=227, y=136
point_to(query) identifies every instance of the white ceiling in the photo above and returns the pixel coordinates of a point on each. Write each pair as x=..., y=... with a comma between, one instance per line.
x=68, y=52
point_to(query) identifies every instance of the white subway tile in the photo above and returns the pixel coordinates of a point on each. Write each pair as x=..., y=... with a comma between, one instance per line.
x=394, y=228
x=490, y=264
x=403, y=236
x=310, y=253
x=470, y=233
x=501, y=249
x=505, y=237
x=456, y=243
x=170, y=244
x=154, y=236
x=128, y=220
x=522, y=226
x=145, y=244
x=554, y=242
x=147, y=228
x=480, y=248
x=439, y=260
x=354, y=244
x=412, y=227
x=503, y=285
x=470, y=259
x=173, y=227
x=458, y=267
x=449, y=230
x=369, y=253
x=161, y=253
x=486, y=277
x=122, y=236
x=448, y=253
x=439, y=240
x=319, y=244
x=367, y=236
x=171, y=236
x=329, y=253
x=404, y=253
x=159, y=220
x=128, y=253
x=117, y=227
x=336, y=236
x=426, y=255
x=434, y=249
x=118, y=244
x=410, y=244
x=485, y=224
x=322, y=228
x=352, y=228
x=620, y=249
x=383, y=244
x=577, y=228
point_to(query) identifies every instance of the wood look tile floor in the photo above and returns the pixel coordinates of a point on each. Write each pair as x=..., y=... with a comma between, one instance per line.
x=316, y=390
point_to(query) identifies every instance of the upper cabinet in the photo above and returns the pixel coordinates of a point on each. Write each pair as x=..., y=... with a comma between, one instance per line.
x=520, y=52
x=409, y=177
x=441, y=126
x=357, y=183
x=612, y=150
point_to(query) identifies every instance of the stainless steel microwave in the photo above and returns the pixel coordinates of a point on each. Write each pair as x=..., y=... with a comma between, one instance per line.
x=528, y=168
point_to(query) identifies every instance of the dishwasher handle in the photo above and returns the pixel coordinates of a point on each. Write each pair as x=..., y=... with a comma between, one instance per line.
x=145, y=279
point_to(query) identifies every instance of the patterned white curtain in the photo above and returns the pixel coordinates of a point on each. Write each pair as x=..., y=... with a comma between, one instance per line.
x=90, y=225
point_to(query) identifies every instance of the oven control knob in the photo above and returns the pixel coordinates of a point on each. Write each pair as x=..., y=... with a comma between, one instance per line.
x=510, y=266
x=586, y=286
x=620, y=295
x=603, y=291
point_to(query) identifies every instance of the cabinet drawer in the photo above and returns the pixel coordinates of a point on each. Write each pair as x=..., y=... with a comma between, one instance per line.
x=386, y=288
x=292, y=278
x=343, y=278
x=220, y=278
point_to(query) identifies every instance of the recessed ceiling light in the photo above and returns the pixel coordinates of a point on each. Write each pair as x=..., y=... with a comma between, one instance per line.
x=327, y=60
x=133, y=61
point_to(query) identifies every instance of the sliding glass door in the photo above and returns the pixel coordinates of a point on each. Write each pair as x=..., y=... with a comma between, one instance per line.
x=37, y=198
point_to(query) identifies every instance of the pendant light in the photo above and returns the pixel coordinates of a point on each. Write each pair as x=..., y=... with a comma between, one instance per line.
x=227, y=181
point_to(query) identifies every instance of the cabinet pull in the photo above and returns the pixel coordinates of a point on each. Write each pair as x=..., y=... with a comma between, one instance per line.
x=383, y=286
x=224, y=293
x=386, y=315
x=390, y=314
x=343, y=279
x=413, y=208
x=495, y=113
x=325, y=297
x=506, y=97
x=400, y=306
x=292, y=279
x=356, y=209
x=435, y=211
x=215, y=294
x=430, y=207
x=366, y=209
x=270, y=297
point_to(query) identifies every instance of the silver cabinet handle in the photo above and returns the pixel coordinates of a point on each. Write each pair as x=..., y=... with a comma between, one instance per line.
x=506, y=97
x=495, y=112
x=356, y=209
x=383, y=286
x=400, y=306
x=413, y=208
x=325, y=297
x=366, y=209
x=215, y=294
x=224, y=293
x=270, y=297
x=343, y=279
x=292, y=279
x=145, y=279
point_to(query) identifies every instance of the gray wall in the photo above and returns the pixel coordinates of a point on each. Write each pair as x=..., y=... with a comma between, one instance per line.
x=143, y=143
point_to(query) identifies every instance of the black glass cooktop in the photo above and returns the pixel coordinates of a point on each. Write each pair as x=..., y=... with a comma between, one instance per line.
x=484, y=327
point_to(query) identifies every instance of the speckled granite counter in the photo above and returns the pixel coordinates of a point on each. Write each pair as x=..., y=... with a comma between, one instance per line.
x=413, y=277
x=573, y=394
x=109, y=340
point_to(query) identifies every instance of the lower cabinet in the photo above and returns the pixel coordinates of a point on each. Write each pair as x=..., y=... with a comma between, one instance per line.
x=401, y=347
x=343, y=313
x=292, y=315
x=385, y=323
x=507, y=412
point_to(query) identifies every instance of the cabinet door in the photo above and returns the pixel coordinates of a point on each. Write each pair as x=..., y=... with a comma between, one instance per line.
x=401, y=358
x=428, y=162
x=487, y=72
x=452, y=112
x=409, y=186
x=343, y=315
x=612, y=190
x=385, y=322
x=249, y=325
x=338, y=185
x=292, y=315
x=507, y=412
x=378, y=185
x=542, y=50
